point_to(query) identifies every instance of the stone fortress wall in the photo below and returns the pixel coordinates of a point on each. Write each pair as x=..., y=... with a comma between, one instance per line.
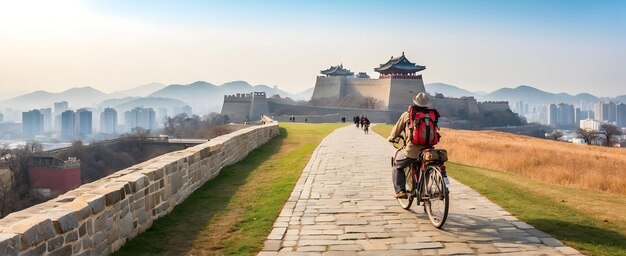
x=487, y=106
x=258, y=106
x=365, y=87
x=99, y=217
x=402, y=92
x=243, y=107
x=328, y=87
x=452, y=106
x=392, y=93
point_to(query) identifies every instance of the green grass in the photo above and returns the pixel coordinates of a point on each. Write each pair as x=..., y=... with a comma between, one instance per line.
x=573, y=227
x=233, y=213
x=569, y=214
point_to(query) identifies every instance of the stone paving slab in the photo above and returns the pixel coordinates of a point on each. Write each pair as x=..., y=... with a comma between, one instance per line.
x=343, y=205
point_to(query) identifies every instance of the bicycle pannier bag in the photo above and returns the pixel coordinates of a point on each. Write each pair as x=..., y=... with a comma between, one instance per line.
x=436, y=155
x=424, y=130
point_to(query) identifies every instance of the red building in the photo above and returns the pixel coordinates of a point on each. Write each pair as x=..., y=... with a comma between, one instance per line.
x=51, y=176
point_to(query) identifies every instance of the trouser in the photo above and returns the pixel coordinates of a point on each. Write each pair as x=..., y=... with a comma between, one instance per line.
x=399, y=179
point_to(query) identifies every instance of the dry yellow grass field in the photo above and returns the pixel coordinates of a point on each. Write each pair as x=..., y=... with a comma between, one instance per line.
x=589, y=167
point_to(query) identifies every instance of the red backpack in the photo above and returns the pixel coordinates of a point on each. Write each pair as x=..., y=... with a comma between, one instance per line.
x=423, y=125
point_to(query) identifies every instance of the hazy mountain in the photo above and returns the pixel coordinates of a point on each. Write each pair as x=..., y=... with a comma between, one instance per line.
x=114, y=102
x=202, y=96
x=76, y=97
x=621, y=99
x=304, y=95
x=448, y=90
x=139, y=91
x=148, y=102
x=534, y=96
x=5, y=95
x=207, y=97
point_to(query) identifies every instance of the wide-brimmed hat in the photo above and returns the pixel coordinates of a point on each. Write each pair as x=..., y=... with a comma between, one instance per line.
x=421, y=100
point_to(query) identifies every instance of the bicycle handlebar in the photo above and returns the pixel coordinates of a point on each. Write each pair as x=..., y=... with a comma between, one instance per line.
x=398, y=142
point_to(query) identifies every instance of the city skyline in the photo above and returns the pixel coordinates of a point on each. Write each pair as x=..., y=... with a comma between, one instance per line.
x=558, y=46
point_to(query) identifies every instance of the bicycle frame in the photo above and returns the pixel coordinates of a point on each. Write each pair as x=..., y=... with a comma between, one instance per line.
x=419, y=179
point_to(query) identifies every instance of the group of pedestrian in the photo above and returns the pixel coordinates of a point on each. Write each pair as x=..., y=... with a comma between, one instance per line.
x=362, y=122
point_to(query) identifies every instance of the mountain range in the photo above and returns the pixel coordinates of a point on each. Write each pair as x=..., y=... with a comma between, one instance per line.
x=205, y=97
x=527, y=94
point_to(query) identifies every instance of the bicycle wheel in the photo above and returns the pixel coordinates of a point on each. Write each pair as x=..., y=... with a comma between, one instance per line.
x=436, y=196
x=405, y=203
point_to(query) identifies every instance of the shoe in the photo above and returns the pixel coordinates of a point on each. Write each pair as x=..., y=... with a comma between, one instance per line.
x=401, y=194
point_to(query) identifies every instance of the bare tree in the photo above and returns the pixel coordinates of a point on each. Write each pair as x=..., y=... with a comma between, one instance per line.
x=609, y=131
x=588, y=136
x=169, y=125
x=16, y=193
x=556, y=135
x=369, y=102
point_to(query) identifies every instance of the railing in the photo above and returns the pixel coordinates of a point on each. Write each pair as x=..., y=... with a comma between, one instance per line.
x=400, y=76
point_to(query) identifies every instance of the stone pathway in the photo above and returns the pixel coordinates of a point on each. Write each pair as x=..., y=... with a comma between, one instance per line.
x=343, y=205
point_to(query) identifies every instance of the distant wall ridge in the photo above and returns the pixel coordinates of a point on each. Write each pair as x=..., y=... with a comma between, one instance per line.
x=99, y=217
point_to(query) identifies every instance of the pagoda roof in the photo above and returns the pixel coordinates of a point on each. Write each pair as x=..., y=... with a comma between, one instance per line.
x=399, y=65
x=337, y=71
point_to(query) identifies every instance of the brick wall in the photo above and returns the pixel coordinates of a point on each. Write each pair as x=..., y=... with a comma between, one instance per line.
x=97, y=218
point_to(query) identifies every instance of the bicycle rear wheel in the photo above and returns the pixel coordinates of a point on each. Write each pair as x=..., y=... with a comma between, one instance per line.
x=405, y=203
x=436, y=199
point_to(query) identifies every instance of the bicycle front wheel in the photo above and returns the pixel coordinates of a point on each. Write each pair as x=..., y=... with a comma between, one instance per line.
x=405, y=203
x=436, y=196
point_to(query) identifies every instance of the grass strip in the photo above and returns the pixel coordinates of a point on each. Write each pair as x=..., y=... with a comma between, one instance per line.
x=233, y=213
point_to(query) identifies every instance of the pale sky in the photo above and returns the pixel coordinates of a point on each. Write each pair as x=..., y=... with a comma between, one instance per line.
x=557, y=46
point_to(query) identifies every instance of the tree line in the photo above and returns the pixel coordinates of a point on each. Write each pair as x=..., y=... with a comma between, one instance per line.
x=606, y=136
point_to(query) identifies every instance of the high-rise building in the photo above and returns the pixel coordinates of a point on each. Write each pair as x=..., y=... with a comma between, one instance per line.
x=108, y=121
x=59, y=108
x=612, y=111
x=601, y=111
x=68, y=124
x=621, y=115
x=84, y=121
x=32, y=122
x=1, y=118
x=565, y=115
x=518, y=107
x=47, y=119
x=578, y=115
x=552, y=114
x=143, y=118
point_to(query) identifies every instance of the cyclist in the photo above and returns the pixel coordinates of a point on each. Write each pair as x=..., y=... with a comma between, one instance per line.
x=411, y=152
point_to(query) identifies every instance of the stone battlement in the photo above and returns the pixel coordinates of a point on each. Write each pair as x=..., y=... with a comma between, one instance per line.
x=239, y=97
x=244, y=97
x=495, y=102
x=99, y=217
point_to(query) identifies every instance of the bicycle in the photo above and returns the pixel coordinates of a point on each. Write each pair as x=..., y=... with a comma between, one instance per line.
x=430, y=186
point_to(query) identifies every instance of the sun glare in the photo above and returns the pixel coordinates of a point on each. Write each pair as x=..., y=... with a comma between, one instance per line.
x=32, y=17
